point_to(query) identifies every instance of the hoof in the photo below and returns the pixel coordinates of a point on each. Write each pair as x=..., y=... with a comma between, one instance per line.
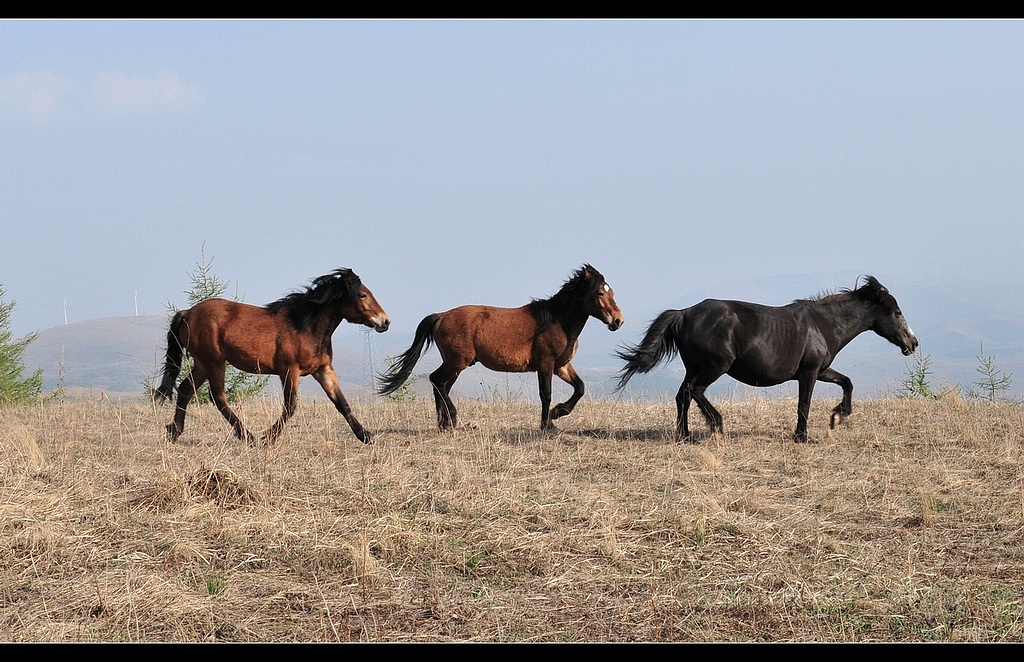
x=252, y=440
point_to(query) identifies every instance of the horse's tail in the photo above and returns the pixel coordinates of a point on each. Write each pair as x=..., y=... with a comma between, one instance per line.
x=658, y=345
x=172, y=361
x=402, y=367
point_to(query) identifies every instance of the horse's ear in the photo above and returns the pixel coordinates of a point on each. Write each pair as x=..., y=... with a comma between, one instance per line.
x=872, y=284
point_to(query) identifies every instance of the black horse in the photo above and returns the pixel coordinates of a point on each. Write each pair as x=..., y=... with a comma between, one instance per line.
x=765, y=345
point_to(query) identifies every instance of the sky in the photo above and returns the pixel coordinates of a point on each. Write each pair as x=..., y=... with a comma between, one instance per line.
x=450, y=162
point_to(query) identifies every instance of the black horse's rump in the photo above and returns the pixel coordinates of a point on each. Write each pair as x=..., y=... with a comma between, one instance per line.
x=766, y=345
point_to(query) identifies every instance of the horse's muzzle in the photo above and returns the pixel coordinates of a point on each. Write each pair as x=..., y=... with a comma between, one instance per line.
x=615, y=324
x=380, y=326
x=910, y=347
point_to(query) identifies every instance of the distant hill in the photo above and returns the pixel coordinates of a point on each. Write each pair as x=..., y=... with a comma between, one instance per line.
x=114, y=355
x=953, y=320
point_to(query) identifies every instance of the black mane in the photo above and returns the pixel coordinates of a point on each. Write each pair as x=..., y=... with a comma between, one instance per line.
x=341, y=285
x=583, y=284
x=871, y=290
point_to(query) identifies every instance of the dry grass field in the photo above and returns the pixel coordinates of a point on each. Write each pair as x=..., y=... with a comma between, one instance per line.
x=905, y=525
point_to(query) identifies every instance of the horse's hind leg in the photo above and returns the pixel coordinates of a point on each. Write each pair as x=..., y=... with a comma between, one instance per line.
x=683, y=398
x=568, y=374
x=711, y=415
x=688, y=391
x=442, y=380
x=328, y=379
x=186, y=391
x=220, y=398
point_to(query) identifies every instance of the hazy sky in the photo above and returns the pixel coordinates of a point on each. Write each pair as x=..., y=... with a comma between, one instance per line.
x=463, y=161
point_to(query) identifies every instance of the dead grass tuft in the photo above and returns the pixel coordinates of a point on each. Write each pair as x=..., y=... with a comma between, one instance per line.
x=221, y=486
x=18, y=447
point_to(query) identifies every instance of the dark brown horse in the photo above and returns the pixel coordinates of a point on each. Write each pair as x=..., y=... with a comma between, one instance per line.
x=290, y=338
x=764, y=346
x=540, y=337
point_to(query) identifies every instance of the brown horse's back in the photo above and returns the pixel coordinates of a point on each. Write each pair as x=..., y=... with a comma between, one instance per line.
x=501, y=339
x=246, y=336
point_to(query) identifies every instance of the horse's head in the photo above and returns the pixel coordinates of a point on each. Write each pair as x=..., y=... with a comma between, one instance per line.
x=339, y=295
x=890, y=322
x=344, y=288
x=600, y=304
x=368, y=312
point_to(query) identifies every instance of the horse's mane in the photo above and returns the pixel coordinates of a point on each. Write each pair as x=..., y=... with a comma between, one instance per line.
x=583, y=283
x=871, y=290
x=304, y=306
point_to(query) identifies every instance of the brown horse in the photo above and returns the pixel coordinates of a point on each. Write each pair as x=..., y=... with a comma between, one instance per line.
x=290, y=338
x=540, y=337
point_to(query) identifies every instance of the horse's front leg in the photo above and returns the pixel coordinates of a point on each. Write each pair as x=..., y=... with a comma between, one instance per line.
x=805, y=389
x=845, y=407
x=568, y=375
x=328, y=379
x=544, y=384
x=290, y=386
